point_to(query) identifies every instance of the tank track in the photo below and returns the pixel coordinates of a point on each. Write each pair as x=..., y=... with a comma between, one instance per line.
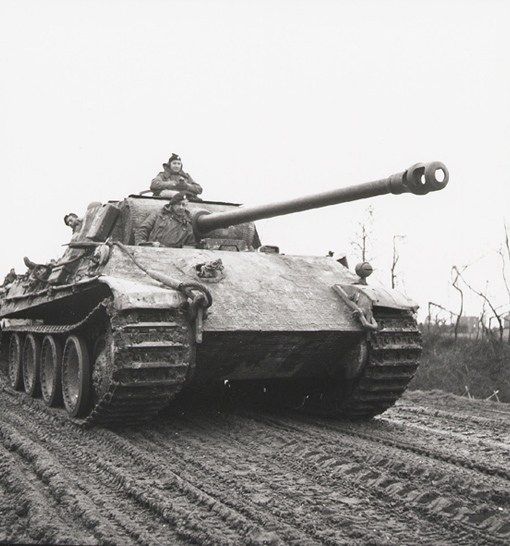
x=393, y=357
x=151, y=354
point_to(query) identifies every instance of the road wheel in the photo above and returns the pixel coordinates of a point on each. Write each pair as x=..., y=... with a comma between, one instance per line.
x=31, y=362
x=51, y=371
x=15, y=367
x=101, y=370
x=76, y=376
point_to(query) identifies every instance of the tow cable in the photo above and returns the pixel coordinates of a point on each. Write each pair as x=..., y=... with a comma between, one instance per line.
x=198, y=296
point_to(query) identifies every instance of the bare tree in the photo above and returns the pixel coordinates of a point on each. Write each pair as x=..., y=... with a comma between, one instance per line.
x=485, y=330
x=429, y=316
x=395, y=259
x=432, y=304
x=503, y=271
x=455, y=283
x=497, y=315
x=507, y=242
x=442, y=308
x=364, y=234
x=505, y=256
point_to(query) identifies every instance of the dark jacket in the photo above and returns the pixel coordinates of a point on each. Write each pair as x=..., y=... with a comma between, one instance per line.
x=166, y=228
x=181, y=181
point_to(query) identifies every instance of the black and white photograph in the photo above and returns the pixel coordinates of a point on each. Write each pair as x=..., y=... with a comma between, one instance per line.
x=255, y=272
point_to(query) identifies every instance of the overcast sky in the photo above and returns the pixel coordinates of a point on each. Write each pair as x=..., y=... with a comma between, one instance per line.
x=263, y=101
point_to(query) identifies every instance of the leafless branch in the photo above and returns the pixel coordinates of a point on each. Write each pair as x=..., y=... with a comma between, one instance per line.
x=364, y=234
x=503, y=265
x=455, y=283
x=395, y=259
x=497, y=315
x=507, y=242
x=503, y=271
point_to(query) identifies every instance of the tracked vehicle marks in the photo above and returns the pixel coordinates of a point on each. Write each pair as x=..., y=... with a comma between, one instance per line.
x=245, y=476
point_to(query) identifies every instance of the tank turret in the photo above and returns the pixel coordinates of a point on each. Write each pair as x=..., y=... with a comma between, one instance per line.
x=419, y=179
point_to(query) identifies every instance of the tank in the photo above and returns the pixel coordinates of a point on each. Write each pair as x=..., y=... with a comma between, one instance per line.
x=112, y=332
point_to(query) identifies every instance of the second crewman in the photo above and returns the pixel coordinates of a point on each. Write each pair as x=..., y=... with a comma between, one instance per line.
x=170, y=226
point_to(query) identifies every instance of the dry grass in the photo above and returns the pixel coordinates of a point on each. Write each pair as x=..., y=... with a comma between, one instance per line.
x=482, y=366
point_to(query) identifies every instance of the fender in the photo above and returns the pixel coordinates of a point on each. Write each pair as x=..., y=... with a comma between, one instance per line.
x=382, y=297
x=362, y=299
x=128, y=294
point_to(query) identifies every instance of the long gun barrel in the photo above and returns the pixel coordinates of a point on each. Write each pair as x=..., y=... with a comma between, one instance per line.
x=419, y=179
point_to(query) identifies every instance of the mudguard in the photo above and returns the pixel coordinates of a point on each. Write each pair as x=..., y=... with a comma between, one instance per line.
x=129, y=294
x=378, y=296
x=362, y=299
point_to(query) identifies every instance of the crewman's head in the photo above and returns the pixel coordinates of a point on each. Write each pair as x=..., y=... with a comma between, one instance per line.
x=175, y=163
x=71, y=220
x=179, y=204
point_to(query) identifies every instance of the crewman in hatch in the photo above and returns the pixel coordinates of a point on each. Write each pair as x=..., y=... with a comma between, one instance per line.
x=173, y=178
x=171, y=226
x=73, y=221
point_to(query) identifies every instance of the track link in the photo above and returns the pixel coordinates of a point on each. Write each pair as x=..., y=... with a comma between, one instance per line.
x=393, y=357
x=150, y=354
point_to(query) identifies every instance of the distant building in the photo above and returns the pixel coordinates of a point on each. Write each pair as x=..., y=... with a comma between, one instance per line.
x=506, y=327
x=468, y=325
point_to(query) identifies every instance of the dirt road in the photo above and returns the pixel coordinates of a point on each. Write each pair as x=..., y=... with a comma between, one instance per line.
x=432, y=470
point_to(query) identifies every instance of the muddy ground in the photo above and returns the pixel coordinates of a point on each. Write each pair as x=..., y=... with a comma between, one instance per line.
x=432, y=470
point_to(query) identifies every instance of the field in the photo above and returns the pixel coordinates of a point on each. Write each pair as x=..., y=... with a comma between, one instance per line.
x=479, y=365
x=434, y=470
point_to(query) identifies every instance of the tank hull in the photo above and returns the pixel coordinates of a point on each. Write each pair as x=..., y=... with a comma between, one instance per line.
x=274, y=318
x=257, y=292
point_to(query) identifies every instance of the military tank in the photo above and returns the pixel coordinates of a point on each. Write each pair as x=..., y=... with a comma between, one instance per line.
x=112, y=332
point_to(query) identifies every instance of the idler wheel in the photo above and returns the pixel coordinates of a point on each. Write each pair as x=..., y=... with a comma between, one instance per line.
x=15, y=367
x=51, y=371
x=76, y=376
x=31, y=362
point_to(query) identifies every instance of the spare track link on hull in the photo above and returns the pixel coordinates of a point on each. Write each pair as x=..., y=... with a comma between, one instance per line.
x=393, y=357
x=150, y=356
